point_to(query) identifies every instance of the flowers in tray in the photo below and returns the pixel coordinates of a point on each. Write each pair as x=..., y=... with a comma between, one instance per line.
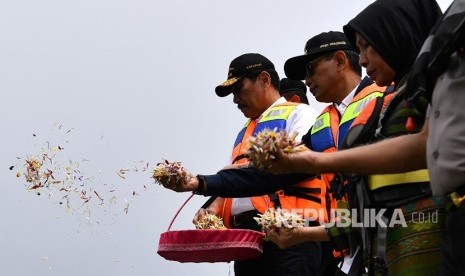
x=279, y=218
x=210, y=221
x=266, y=143
x=166, y=172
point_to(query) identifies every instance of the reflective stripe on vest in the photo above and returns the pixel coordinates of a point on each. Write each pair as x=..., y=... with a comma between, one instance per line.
x=276, y=117
x=353, y=110
x=322, y=136
x=383, y=180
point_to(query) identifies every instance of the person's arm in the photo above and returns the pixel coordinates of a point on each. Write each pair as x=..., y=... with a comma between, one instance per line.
x=248, y=182
x=394, y=155
x=237, y=183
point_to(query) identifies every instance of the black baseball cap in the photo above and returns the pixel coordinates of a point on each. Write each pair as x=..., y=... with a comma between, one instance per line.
x=315, y=47
x=241, y=66
x=288, y=85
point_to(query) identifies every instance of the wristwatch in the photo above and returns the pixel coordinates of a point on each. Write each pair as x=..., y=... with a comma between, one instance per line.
x=201, y=186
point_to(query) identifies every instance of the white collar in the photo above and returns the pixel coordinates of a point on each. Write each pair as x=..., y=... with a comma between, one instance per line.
x=345, y=102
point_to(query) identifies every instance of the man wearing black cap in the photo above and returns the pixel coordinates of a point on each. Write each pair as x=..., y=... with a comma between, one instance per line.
x=331, y=71
x=293, y=90
x=254, y=84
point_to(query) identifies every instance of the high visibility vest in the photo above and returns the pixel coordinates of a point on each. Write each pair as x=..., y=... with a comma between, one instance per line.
x=330, y=128
x=362, y=129
x=312, y=194
x=330, y=131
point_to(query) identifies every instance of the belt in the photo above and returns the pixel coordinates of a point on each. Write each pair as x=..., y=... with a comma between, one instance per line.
x=457, y=197
x=399, y=192
x=245, y=218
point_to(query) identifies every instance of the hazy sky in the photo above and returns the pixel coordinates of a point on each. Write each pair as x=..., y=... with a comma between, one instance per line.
x=119, y=82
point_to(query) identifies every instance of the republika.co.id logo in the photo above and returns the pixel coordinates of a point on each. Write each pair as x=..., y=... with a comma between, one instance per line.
x=366, y=218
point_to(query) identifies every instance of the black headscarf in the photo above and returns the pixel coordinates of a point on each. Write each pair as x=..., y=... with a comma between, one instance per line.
x=396, y=29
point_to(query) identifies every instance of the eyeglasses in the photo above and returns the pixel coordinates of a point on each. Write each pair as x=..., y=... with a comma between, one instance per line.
x=311, y=65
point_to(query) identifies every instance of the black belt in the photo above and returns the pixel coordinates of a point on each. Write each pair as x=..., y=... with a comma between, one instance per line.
x=245, y=220
x=404, y=192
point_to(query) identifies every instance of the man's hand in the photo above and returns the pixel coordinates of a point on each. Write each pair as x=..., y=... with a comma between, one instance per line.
x=283, y=237
x=182, y=186
x=201, y=213
x=214, y=209
x=296, y=162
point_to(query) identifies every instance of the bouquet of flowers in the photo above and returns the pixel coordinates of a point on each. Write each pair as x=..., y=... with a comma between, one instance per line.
x=165, y=172
x=279, y=218
x=266, y=143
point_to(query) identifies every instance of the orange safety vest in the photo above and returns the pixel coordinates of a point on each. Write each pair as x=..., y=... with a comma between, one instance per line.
x=330, y=128
x=363, y=128
x=384, y=117
x=313, y=193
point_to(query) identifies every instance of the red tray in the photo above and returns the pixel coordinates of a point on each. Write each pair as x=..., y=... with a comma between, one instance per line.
x=209, y=245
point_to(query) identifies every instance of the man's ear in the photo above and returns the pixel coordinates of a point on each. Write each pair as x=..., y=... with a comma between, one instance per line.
x=265, y=78
x=341, y=60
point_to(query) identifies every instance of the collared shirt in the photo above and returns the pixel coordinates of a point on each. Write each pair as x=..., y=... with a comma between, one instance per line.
x=445, y=149
x=300, y=120
x=345, y=102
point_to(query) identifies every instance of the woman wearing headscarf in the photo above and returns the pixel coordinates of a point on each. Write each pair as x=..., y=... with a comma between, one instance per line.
x=389, y=35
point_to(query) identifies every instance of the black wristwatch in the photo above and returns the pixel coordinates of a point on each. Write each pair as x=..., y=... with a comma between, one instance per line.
x=201, y=186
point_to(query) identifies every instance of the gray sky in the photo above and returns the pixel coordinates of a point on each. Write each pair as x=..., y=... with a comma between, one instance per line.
x=132, y=80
